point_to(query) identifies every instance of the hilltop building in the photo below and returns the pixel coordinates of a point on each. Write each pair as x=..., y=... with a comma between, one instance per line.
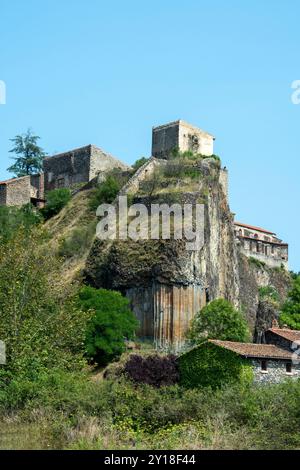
x=182, y=136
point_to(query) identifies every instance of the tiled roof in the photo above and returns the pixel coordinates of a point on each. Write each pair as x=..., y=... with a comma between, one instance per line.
x=291, y=335
x=254, y=350
x=252, y=227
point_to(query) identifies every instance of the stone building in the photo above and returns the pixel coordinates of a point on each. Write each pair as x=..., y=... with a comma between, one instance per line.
x=24, y=190
x=262, y=245
x=272, y=362
x=182, y=136
x=78, y=166
x=65, y=170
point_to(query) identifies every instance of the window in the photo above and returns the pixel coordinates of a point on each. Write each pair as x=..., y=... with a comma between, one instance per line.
x=264, y=366
x=288, y=367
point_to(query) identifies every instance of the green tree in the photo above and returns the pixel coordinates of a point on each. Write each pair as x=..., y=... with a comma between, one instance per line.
x=56, y=200
x=29, y=156
x=219, y=320
x=112, y=323
x=290, y=313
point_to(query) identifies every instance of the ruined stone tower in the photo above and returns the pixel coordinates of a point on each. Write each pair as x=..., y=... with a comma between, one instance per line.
x=182, y=136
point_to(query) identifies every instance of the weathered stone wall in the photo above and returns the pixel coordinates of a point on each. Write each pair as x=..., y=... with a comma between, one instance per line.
x=67, y=169
x=140, y=175
x=276, y=371
x=180, y=135
x=81, y=165
x=18, y=191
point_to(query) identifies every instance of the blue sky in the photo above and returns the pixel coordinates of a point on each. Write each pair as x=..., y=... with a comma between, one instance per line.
x=105, y=72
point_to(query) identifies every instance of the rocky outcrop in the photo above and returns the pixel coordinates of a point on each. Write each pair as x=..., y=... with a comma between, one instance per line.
x=166, y=284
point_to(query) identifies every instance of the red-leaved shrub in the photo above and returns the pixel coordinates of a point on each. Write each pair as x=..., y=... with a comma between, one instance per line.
x=155, y=370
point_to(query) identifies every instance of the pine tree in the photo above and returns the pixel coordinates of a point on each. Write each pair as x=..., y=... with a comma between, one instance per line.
x=29, y=156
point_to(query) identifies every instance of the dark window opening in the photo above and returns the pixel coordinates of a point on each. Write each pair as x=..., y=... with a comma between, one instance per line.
x=264, y=366
x=288, y=367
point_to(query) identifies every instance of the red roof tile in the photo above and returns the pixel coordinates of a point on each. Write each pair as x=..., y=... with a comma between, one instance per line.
x=254, y=350
x=252, y=227
x=291, y=335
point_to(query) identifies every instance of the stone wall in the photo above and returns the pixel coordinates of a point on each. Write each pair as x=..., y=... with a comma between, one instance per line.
x=78, y=166
x=18, y=191
x=180, y=135
x=276, y=371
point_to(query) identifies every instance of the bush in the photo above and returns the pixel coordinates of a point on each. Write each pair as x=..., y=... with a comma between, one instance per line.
x=209, y=365
x=56, y=200
x=155, y=370
x=112, y=323
x=219, y=320
x=105, y=193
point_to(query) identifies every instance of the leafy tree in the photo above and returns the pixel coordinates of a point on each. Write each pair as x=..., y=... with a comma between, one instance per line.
x=219, y=320
x=105, y=193
x=290, y=314
x=56, y=200
x=29, y=156
x=112, y=323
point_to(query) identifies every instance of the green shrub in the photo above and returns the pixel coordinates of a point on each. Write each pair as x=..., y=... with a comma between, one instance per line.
x=112, y=323
x=55, y=201
x=105, y=193
x=209, y=365
x=219, y=320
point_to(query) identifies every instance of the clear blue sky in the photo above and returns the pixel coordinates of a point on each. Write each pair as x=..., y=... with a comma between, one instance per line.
x=93, y=71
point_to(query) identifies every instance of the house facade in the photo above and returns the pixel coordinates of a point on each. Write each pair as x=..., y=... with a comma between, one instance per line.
x=262, y=245
x=271, y=363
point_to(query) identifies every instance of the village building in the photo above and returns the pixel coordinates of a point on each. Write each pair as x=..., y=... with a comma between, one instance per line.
x=21, y=191
x=262, y=245
x=272, y=362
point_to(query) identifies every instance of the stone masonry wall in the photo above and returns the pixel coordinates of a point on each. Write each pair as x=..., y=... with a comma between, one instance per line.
x=276, y=371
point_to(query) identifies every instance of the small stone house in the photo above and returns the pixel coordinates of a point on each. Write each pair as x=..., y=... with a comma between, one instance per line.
x=221, y=362
x=271, y=363
x=24, y=190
